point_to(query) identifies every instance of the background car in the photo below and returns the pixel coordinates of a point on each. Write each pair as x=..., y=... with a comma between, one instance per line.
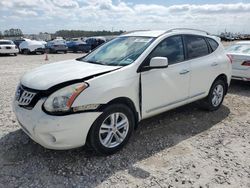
x=95, y=41
x=57, y=45
x=77, y=46
x=18, y=42
x=32, y=47
x=8, y=47
x=240, y=56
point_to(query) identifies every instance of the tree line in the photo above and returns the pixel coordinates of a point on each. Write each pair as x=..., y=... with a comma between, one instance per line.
x=62, y=33
x=81, y=33
x=11, y=33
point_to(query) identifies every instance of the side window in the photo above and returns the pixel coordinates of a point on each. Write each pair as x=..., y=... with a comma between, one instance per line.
x=172, y=48
x=196, y=46
x=214, y=45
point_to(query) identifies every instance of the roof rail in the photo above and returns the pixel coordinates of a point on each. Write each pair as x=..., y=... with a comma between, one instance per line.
x=176, y=29
x=133, y=31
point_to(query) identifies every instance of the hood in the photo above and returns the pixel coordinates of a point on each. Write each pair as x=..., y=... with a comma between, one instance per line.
x=47, y=76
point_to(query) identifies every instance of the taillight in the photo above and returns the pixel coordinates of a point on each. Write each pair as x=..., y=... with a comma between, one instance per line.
x=230, y=58
x=246, y=63
x=16, y=47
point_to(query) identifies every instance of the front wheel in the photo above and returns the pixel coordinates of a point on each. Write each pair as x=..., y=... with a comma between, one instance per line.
x=112, y=129
x=26, y=51
x=215, y=97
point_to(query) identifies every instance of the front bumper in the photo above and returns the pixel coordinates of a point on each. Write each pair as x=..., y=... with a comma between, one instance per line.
x=241, y=74
x=40, y=50
x=55, y=132
x=59, y=49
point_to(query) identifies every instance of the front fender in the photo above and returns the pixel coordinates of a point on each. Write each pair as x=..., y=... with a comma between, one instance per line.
x=128, y=88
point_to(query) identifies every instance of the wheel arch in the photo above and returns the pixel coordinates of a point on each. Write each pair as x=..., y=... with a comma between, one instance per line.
x=224, y=78
x=126, y=101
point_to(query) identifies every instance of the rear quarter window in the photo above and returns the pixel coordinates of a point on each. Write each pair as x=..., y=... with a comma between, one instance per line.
x=213, y=44
x=196, y=46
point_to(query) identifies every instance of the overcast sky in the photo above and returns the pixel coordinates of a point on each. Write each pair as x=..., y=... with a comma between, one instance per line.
x=33, y=16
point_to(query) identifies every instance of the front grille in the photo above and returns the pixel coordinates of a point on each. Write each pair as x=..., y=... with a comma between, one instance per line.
x=24, y=97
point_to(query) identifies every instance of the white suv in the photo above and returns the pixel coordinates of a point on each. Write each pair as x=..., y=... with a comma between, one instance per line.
x=100, y=98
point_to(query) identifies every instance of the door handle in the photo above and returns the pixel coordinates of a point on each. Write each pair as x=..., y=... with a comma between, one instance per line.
x=184, y=71
x=214, y=64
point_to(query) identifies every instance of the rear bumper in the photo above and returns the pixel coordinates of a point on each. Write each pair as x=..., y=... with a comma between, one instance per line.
x=9, y=51
x=241, y=74
x=55, y=132
x=83, y=48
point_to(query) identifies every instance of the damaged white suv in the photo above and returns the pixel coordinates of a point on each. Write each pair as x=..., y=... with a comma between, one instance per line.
x=100, y=98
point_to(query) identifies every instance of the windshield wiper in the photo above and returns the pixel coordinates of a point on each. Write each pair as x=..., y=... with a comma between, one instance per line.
x=96, y=62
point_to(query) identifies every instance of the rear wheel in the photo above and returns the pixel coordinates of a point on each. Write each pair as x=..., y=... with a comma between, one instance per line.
x=215, y=97
x=112, y=129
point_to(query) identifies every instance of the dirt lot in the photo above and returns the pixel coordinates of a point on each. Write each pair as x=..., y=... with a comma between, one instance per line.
x=185, y=147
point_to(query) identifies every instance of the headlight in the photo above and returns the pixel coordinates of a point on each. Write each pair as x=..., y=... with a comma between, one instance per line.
x=61, y=100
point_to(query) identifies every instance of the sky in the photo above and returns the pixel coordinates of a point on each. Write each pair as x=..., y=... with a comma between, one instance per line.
x=214, y=16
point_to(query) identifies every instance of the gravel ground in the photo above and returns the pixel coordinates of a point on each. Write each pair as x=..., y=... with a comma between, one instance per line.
x=186, y=147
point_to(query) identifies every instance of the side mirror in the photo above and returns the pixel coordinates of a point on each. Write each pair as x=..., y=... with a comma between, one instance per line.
x=155, y=63
x=158, y=62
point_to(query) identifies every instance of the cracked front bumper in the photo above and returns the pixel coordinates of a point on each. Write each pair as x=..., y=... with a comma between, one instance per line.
x=55, y=132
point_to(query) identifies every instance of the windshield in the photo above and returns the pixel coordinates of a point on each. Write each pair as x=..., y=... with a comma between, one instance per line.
x=239, y=48
x=119, y=52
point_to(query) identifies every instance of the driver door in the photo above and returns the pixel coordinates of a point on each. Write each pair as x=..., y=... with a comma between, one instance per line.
x=166, y=88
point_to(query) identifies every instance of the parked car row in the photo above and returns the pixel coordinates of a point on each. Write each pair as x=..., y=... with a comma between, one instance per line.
x=27, y=46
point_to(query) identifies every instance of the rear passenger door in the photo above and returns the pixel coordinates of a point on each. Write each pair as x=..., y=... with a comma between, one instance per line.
x=202, y=65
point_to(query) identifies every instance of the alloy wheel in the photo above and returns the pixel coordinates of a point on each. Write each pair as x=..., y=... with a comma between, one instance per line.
x=217, y=97
x=114, y=130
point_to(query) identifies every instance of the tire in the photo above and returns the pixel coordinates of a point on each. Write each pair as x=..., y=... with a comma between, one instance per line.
x=65, y=51
x=26, y=51
x=106, y=142
x=15, y=54
x=215, y=97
